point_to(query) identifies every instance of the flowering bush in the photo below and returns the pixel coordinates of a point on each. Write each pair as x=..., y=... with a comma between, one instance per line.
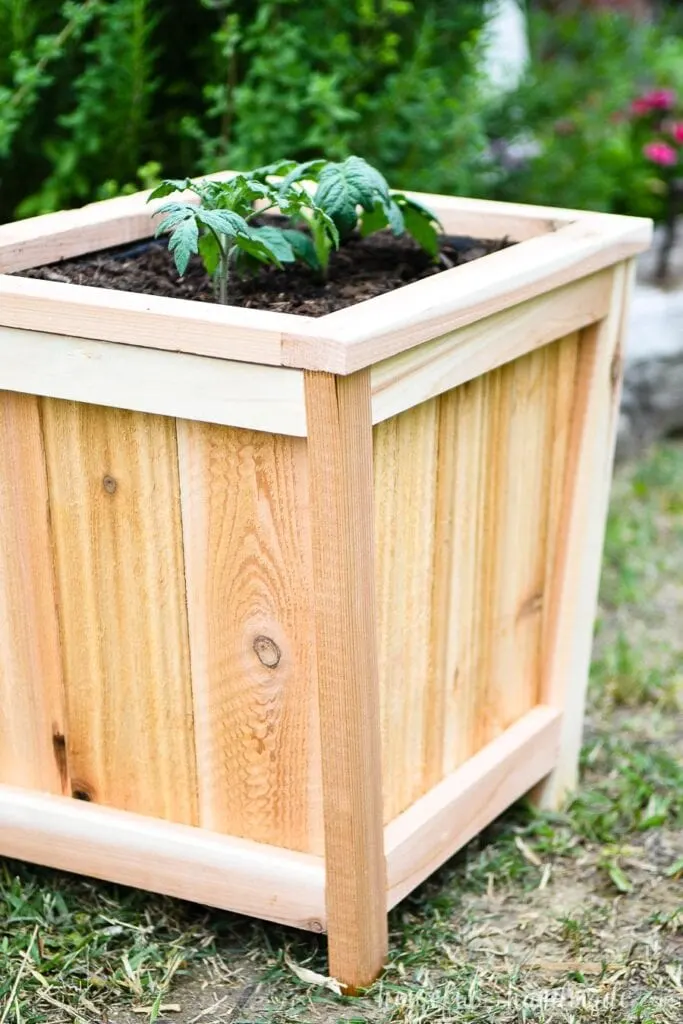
x=656, y=120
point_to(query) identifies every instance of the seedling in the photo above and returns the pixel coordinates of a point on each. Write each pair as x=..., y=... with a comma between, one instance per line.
x=356, y=196
x=218, y=227
x=348, y=196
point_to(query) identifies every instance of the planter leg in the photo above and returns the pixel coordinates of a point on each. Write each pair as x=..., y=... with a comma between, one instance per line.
x=579, y=556
x=341, y=487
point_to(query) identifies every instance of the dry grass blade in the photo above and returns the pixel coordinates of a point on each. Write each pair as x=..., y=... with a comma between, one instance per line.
x=17, y=981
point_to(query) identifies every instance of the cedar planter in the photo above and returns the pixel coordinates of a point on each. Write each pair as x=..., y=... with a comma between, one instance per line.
x=294, y=607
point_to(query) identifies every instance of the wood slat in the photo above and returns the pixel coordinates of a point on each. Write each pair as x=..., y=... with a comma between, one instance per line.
x=340, y=454
x=152, y=380
x=405, y=481
x=181, y=861
x=32, y=745
x=576, y=572
x=465, y=802
x=437, y=366
x=249, y=589
x=115, y=511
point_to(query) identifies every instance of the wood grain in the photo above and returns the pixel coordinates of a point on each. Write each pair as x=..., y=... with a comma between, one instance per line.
x=576, y=575
x=252, y=641
x=430, y=369
x=405, y=483
x=465, y=802
x=32, y=745
x=166, y=383
x=115, y=510
x=340, y=460
x=181, y=861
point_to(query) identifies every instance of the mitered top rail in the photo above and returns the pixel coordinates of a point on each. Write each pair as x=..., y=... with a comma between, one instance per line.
x=555, y=247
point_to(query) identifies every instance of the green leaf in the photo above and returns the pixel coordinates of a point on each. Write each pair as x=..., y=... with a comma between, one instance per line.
x=259, y=249
x=675, y=870
x=274, y=170
x=224, y=222
x=307, y=171
x=618, y=877
x=303, y=247
x=373, y=220
x=420, y=222
x=343, y=187
x=277, y=241
x=210, y=252
x=183, y=243
x=167, y=187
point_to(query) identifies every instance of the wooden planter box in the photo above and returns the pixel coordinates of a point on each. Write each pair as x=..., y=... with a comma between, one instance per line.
x=294, y=607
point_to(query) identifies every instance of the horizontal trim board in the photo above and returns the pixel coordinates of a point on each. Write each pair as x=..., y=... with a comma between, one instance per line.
x=236, y=394
x=422, y=838
x=430, y=369
x=378, y=328
x=177, y=860
x=341, y=342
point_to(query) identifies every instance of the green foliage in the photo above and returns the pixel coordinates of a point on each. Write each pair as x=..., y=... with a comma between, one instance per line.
x=102, y=96
x=572, y=112
x=217, y=226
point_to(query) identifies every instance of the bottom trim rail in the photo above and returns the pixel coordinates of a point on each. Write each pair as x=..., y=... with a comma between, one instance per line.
x=441, y=822
x=177, y=860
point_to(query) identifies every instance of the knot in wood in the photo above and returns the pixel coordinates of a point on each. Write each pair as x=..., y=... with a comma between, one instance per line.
x=109, y=484
x=267, y=651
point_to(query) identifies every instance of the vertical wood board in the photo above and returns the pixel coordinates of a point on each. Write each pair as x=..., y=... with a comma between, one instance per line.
x=467, y=517
x=32, y=744
x=249, y=589
x=115, y=511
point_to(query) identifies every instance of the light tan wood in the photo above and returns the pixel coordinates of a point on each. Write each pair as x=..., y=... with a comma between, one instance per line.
x=147, y=321
x=181, y=861
x=245, y=510
x=405, y=471
x=454, y=811
x=32, y=744
x=578, y=553
x=454, y=673
x=421, y=373
x=269, y=398
x=115, y=513
x=369, y=332
x=340, y=342
x=486, y=218
x=340, y=460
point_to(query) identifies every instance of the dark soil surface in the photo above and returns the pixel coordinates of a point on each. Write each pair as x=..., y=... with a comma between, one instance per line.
x=363, y=268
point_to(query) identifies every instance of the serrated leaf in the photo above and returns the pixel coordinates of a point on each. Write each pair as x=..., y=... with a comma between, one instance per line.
x=303, y=247
x=343, y=187
x=224, y=222
x=210, y=252
x=407, y=201
x=183, y=243
x=308, y=171
x=260, y=250
x=274, y=170
x=173, y=218
x=168, y=187
x=277, y=242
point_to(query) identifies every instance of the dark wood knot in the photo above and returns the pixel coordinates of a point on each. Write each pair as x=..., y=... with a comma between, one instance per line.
x=267, y=651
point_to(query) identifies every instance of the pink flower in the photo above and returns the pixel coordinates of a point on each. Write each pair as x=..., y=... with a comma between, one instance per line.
x=677, y=131
x=656, y=99
x=661, y=153
x=660, y=99
x=640, y=107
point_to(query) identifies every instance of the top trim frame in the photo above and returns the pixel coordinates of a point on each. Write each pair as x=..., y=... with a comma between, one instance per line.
x=555, y=247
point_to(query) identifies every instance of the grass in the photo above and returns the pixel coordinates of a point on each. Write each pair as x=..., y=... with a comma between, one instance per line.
x=570, y=917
